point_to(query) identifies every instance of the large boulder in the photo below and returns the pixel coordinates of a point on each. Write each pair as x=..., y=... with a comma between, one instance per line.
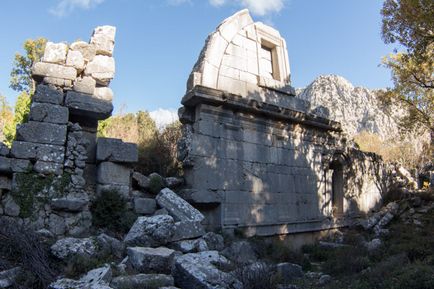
x=179, y=208
x=241, y=252
x=70, y=247
x=201, y=271
x=151, y=231
x=151, y=260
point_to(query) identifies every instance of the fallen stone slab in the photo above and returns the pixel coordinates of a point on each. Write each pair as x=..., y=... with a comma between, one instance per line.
x=68, y=204
x=151, y=260
x=111, y=173
x=70, y=247
x=95, y=279
x=145, y=206
x=47, y=94
x=54, y=70
x=141, y=181
x=115, y=150
x=38, y=152
x=187, y=230
x=179, y=208
x=40, y=132
x=142, y=281
x=85, y=105
x=200, y=270
x=150, y=231
x=46, y=112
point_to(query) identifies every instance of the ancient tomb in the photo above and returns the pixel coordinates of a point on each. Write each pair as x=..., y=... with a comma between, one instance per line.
x=256, y=157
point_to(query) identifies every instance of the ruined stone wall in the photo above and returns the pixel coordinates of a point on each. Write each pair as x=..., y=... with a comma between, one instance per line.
x=56, y=166
x=257, y=158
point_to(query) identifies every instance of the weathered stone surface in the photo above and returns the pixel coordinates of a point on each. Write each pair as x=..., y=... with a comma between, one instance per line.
x=69, y=247
x=75, y=59
x=86, y=105
x=5, y=183
x=87, y=50
x=68, y=204
x=48, y=168
x=4, y=150
x=8, y=277
x=141, y=180
x=122, y=190
x=172, y=182
x=201, y=196
x=241, y=252
x=59, y=82
x=11, y=165
x=187, y=230
x=115, y=150
x=142, y=281
x=145, y=206
x=185, y=246
x=35, y=151
x=51, y=113
x=288, y=272
x=95, y=279
x=214, y=242
x=46, y=94
x=150, y=231
x=10, y=207
x=178, y=207
x=151, y=260
x=198, y=270
x=103, y=93
x=104, y=39
x=54, y=70
x=55, y=52
x=101, y=68
x=111, y=173
x=86, y=85
x=110, y=245
x=39, y=132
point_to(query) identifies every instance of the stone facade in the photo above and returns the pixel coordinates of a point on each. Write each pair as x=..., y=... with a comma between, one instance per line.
x=256, y=157
x=56, y=165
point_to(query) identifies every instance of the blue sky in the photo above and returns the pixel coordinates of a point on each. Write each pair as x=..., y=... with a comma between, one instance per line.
x=158, y=41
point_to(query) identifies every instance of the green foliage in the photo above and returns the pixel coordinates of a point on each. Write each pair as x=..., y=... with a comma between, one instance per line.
x=156, y=184
x=109, y=210
x=21, y=75
x=22, y=109
x=31, y=185
x=6, y=116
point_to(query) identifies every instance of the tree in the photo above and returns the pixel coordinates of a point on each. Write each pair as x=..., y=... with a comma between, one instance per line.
x=22, y=109
x=6, y=116
x=21, y=75
x=410, y=23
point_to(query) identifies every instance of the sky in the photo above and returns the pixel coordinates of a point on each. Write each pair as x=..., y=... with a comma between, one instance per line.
x=158, y=41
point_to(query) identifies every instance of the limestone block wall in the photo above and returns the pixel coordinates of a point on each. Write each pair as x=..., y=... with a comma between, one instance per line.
x=56, y=166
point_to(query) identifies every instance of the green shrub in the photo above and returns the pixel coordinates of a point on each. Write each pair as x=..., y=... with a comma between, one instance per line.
x=156, y=184
x=109, y=211
x=346, y=261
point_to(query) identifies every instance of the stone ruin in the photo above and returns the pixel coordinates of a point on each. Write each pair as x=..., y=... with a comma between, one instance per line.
x=55, y=165
x=255, y=157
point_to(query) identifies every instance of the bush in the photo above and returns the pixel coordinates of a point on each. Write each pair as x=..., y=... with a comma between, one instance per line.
x=109, y=211
x=257, y=276
x=156, y=184
x=346, y=261
x=21, y=246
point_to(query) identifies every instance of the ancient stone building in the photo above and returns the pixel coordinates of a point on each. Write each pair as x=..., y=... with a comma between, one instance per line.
x=256, y=157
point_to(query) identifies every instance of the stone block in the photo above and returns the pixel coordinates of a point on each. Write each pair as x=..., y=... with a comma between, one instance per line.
x=68, y=204
x=115, y=150
x=103, y=39
x=201, y=196
x=47, y=94
x=75, y=59
x=45, y=112
x=85, y=85
x=48, y=168
x=145, y=206
x=54, y=70
x=55, y=53
x=178, y=207
x=89, y=174
x=101, y=68
x=36, y=151
x=10, y=207
x=151, y=260
x=40, y=132
x=4, y=150
x=111, y=173
x=88, y=51
x=143, y=281
x=150, y=231
x=103, y=93
x=141, y=181
x=5, y=183
x=122, y=190
x=60, y=82
x=86, y=105
x=11, y=165
x=187, y=230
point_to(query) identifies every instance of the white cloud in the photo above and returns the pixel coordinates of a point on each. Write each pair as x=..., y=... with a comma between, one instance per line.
x=163, y=117
x=258, y=7
x=65, y=7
